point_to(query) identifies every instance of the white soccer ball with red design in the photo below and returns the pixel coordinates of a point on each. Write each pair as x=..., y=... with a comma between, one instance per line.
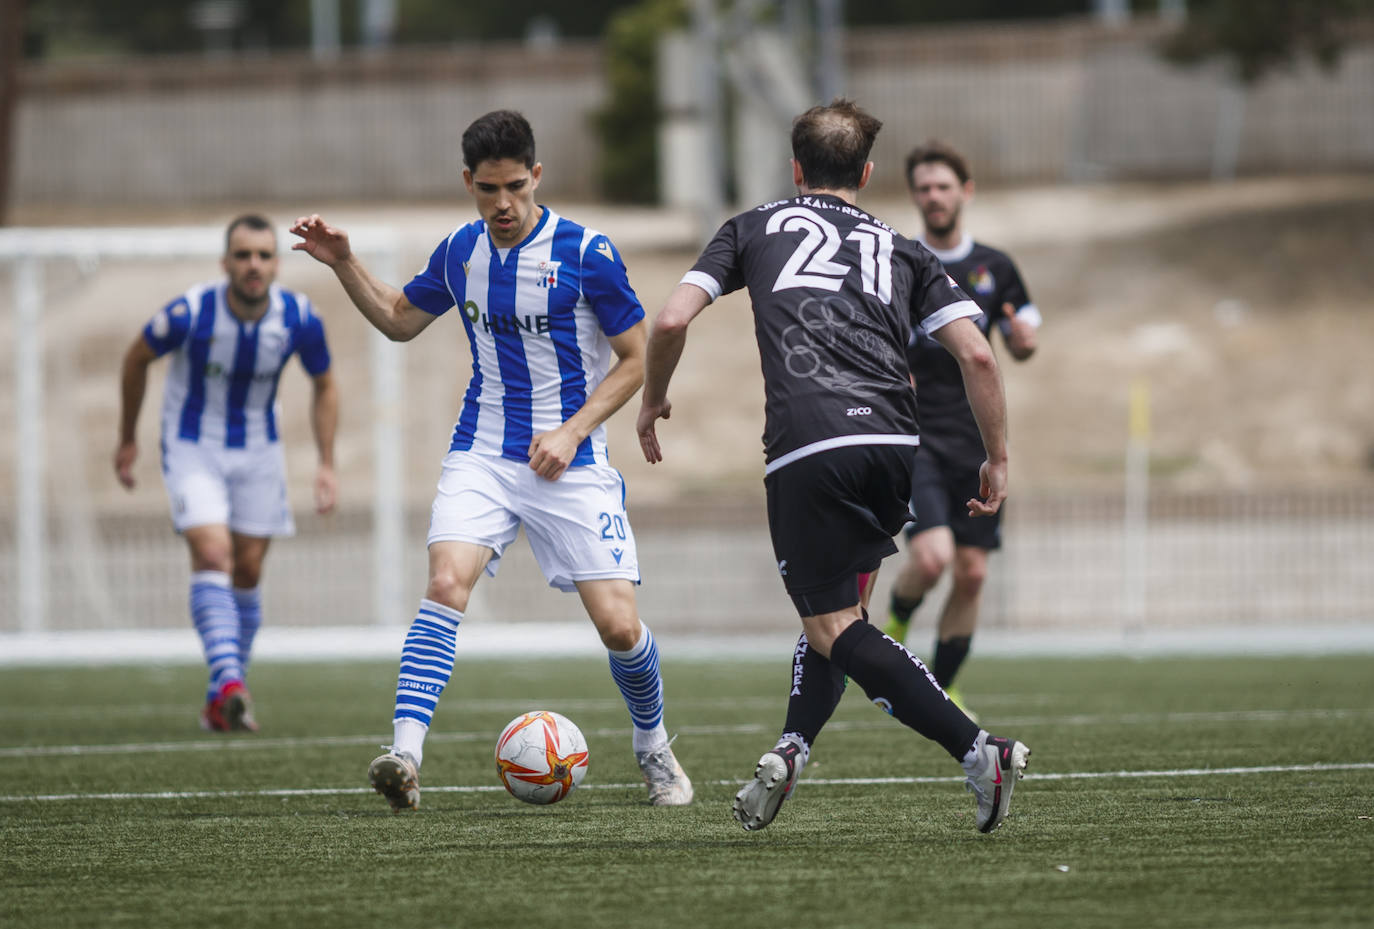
x=541, y=757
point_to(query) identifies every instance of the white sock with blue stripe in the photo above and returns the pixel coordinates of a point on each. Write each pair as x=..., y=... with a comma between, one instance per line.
x=249, y=602
x=636, y=674
x=426, y=664
x=216, y=619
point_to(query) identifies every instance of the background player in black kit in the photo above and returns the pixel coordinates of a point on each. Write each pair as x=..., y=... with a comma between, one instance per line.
x=835, y=295
x=946, y=471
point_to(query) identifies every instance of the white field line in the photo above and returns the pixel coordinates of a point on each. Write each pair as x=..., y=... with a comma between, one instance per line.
x=250, y=743
x=512, y=705
x=810, y=781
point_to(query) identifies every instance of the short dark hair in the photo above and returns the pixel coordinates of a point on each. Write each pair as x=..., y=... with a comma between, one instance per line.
x=255, y=221
x=936, y=152
x=499, y=134
x=832, y=142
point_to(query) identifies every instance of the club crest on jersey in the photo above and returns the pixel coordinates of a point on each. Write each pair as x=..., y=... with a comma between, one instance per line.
x=271, y=343
x=981, y=280
x=548, y=273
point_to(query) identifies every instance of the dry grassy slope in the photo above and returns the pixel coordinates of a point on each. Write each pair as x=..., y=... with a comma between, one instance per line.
x=1246, y=307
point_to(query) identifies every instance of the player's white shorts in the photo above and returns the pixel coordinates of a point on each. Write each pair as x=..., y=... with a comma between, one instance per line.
x=576, y=525
x=243, y=488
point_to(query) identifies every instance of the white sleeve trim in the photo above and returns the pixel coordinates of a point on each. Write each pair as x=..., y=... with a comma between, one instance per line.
x=705, y=281
x=946, y=315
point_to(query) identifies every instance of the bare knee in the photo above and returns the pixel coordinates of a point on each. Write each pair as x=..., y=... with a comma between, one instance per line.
x=969, y=575
x=619, y=634
x=210, y=555
x=822, y=630
x=449, y=587
x=929, y=565
x=611, y=605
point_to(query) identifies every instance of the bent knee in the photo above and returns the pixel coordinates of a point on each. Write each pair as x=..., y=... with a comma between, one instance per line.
x=214, y=558
x=450, y=589
x=620, y=634
x=929, y=567
x=969, y=579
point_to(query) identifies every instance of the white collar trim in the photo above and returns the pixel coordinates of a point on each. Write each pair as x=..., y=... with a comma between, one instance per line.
x=950, y=255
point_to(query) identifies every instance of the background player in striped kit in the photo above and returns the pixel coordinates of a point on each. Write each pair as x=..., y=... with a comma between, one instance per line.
x=222, y=460
x=835, y=293
x=546, y=304
x=945, y=474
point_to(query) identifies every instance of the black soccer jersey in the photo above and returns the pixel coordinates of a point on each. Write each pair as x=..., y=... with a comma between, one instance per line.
x=836, y=294
x=946, y=420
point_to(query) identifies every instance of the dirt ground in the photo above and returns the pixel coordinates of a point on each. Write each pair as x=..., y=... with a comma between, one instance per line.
x=1244, y=308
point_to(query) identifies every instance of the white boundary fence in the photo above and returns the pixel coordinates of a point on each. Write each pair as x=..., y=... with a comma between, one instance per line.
x=1253, y=563
x=1098, y=562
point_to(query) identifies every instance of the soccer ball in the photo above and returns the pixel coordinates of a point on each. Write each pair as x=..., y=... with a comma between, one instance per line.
x=541, y=757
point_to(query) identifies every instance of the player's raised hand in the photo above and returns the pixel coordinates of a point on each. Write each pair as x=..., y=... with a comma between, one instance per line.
x=124, y=463
x=649, y=414
x=320, y=240
x=992, y=488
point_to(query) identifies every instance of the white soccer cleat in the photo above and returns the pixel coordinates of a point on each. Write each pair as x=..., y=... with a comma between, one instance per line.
x=668, y=783
x=396, y=777
x=999, y=764
x=775, y=777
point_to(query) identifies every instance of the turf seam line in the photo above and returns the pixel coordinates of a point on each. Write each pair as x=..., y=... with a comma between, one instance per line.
x=816, y=782
x=233, y=743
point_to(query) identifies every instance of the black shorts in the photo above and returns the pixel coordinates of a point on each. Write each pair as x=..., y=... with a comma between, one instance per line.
x=832, y=516
x=940, y=489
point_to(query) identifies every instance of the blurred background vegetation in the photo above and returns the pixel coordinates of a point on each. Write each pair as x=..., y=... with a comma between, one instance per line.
x=1261, y=32
x=64, y=28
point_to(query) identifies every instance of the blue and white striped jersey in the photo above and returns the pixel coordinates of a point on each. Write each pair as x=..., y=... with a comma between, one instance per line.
x=538, y=317
x=222, y=385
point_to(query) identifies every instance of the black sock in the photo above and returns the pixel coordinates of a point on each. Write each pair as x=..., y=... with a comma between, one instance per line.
x=949, y=655
x=901, y=607
x=817, y=686
x=893, y=677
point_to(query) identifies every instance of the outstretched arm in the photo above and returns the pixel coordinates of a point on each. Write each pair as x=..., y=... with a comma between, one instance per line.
x=664, y=350
x=133, y=383
x=384, y=306
x=551, y=452
x=324, y=421
x=983, y=385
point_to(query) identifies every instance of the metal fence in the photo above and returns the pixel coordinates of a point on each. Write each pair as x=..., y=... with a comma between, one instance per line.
x=1239, y=560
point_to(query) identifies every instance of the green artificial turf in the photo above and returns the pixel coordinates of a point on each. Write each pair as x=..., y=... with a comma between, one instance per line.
x=118, y=811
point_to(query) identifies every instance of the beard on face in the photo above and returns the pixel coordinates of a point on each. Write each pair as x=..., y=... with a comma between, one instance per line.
x=935, y=227
x=242, y=293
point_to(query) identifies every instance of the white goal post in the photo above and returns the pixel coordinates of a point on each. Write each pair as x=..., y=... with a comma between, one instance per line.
x=26, y=250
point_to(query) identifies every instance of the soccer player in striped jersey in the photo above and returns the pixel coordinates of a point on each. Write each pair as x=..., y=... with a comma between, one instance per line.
x=547, y=308
x=835, y=294
x=222, y=460
x=944, y=537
